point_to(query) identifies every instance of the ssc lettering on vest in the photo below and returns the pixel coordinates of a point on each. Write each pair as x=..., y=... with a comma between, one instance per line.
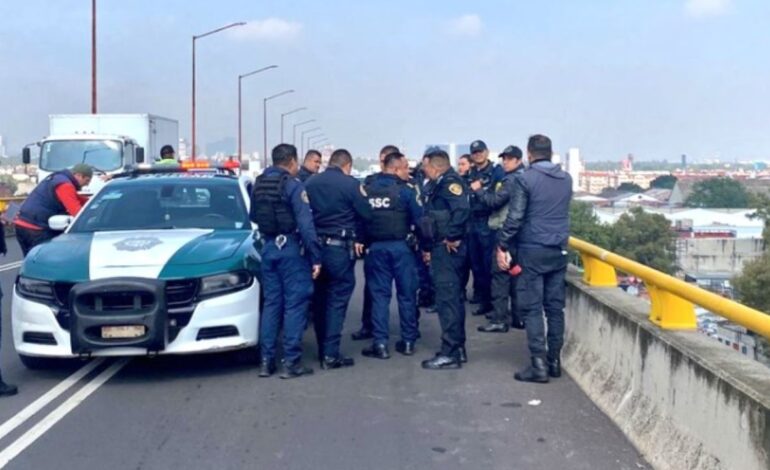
x=379, y=202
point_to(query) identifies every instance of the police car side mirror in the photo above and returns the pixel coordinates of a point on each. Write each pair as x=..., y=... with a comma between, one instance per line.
x=140, y=155
x=59, y=223
x=26, y=156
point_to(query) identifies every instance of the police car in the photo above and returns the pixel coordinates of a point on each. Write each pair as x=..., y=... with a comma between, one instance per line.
x=159, y=261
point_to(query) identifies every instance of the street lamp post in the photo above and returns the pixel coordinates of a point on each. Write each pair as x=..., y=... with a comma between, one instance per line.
x=283, y=115
x=313, y=141
x=294, y=131
x=240, y=112
x=312, y=137
x=264, y=122
x=195, y=38
x=302, y=138
x=93, y=56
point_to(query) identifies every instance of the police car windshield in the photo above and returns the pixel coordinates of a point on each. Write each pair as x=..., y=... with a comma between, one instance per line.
x=105, y=155
x=166, y=203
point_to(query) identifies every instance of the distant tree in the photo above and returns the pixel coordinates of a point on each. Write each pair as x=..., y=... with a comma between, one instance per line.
x=751, y=284
x=663, y=182
x=585, y=225
x=646, y=238
x=630, y=188
x=718, y=192
x=761, y=202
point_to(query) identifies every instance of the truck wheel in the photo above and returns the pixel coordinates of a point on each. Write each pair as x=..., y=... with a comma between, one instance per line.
x=41, y=363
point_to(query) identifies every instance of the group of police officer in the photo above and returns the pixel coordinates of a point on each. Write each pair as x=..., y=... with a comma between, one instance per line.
x=422, y=232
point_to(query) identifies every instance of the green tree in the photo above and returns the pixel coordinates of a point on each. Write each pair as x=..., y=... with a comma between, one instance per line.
x=646, y=238
x=751, y=284
x=630, y=188
x=663, y=182
x=585, y=225
x=718, y=192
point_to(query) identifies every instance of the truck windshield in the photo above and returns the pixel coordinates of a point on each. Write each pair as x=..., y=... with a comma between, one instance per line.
x=104, y=155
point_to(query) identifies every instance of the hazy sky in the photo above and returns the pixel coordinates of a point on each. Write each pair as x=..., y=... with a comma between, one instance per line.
x=655, y=78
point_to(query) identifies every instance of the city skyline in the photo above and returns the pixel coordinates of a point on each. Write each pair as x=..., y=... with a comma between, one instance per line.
x=609, y=79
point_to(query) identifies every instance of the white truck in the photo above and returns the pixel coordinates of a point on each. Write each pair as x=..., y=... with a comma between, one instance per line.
x=107, y=142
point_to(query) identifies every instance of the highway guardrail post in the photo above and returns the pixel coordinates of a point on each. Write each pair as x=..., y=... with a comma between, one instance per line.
x=669, y=311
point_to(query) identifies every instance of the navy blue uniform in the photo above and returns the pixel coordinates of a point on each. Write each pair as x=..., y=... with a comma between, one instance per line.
x=304, y=174
x=340, y=209
x=536, y=229
x=481, y=239
x=427, y=296
x=287, y=283
x=396, y=208
x=447, y=205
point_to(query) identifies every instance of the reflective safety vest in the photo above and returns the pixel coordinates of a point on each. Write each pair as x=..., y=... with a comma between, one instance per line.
x=390, y=216
x=42, y=202
x=270, y=209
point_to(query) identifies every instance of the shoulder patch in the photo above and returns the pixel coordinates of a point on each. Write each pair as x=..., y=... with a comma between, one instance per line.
x=456, y=189
x=363, y=191
x=304, y=197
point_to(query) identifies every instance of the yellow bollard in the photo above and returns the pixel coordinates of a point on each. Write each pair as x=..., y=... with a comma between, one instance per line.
x=670, y=311
x=597, y=273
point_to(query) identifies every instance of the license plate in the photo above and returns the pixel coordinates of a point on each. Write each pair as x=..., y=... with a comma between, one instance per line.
x=129, y=331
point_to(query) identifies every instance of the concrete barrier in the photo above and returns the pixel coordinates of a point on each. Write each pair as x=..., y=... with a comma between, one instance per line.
x=683, y=399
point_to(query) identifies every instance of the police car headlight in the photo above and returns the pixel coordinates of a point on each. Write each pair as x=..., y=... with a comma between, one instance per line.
x=227, y=283
x=36, y=290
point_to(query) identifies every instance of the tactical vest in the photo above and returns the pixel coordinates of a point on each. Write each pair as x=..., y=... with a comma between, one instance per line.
x=439, y=210
x=42, y=203
x=270, y=209
x=390, y=219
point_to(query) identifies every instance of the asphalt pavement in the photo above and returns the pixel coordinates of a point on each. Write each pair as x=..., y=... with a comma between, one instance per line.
x=206, y=412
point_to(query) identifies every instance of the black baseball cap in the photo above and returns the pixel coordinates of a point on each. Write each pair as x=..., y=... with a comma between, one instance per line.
x=512, y=151
x=433, y=149
x=478, y=146
x=167, y=150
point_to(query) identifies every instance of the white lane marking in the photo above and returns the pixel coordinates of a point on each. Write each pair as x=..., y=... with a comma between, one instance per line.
x=10, y=266
x=29, y=437
x=37, y=405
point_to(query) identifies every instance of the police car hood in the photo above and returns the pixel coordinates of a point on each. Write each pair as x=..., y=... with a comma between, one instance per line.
x=148, y=253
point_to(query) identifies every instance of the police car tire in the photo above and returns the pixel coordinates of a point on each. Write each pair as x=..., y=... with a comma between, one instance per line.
x=44, y=363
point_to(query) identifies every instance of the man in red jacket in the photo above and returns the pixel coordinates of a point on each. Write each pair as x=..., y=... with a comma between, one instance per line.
x=55, y=195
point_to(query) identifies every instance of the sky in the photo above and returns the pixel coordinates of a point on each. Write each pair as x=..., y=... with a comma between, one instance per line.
x=653, y=78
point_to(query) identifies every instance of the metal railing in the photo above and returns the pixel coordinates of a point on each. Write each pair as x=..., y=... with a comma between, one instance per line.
x=672, y=299
x=4, y=201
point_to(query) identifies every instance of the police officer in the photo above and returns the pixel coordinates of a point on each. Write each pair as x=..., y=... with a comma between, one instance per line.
x=57, y=194
x=311, y=165
x=464, y=170
x=426, y=298
x=481, y=239
x=535, y=232
x=281, y=210
x=340, y=210
x=498, y=201
x=5, y=389
x=396, y=208
x=443, y=229
x=167, y=156
x=367, y=329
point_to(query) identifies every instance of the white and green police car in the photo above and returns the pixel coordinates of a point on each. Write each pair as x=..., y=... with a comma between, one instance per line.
x=157, y=262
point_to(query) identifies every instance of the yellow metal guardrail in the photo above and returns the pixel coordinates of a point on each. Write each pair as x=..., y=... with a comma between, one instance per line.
x=4, y=201
x=672, y=299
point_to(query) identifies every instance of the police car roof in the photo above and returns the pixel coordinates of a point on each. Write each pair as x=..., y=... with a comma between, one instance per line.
x=183, y=170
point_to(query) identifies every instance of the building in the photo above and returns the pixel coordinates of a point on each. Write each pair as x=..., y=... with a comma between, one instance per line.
x=575, y=167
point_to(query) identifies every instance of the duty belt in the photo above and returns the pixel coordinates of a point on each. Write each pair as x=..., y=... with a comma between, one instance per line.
x=330, y=241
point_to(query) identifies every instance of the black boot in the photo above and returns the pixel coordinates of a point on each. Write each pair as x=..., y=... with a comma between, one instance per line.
x=405, y=347
x=493, y=328
x=292, y=371
x=441, y=361
x=377, y=351
x=266, y=368
x=6, y=390
x=536, y=372
x=337, y=362
x=362, y=334
x=483, y=310
x=517, y=324
x=462, y=354
x=554, y=367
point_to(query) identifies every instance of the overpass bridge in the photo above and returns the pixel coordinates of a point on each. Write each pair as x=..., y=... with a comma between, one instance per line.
x=639, y=394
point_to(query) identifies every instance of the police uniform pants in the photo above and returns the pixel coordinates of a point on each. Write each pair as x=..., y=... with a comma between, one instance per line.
x=366, y=313
x=501, y=294
x=386, y=262
x=541, y=288
x=287, y=285
x=446, y=270
x=427, y=296
x=481, y=246
x=333, y=289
